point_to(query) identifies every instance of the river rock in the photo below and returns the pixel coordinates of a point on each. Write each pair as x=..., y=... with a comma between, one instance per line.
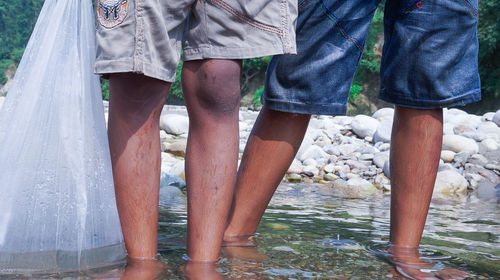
x=295, y=167
x=387, y=169
x=347, y=149
x=461, y=158
x=383, y=114
x=364, y=126
x=174, y=124
x=294, y=178
x=379, y=159
x=310, y=170
x=306, y=144
x=310, y=162
x=448, y=129
x=329, y=168
x=177, y=148
x=171, y=196
x=354, y=188
x=384, y=147
x=488, y=116
x=383, y=132
x=489, y=144
x=172, y=181
x=457, y=143
x=447, y=156
x=330, y=177
x=449, y=183
x=496, y=118
x=314, y=152
x=177, y=169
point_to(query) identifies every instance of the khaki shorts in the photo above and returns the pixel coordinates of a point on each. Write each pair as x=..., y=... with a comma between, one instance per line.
x=146, y=36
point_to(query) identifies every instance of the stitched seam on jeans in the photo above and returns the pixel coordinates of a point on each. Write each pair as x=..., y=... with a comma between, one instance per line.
x=303, y=3
x=245, y=19
x=413, y=6
x=471, y=8
x=337, y=21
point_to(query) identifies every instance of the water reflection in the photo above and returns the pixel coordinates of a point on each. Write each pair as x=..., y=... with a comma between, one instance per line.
x=307, y=235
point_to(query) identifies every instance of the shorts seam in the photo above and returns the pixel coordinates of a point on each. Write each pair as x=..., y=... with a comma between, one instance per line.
x=335, y=19
x=243, y=18
x=398, y=99
x=476, y=13
x=304, y=108
x=139, y=37
x=126, y=65
x=413, y=6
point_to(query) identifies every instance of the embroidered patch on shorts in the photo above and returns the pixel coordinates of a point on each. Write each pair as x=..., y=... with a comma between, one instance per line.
x=111, y=13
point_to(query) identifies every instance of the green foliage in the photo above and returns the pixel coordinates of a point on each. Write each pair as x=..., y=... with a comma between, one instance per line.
x=354, y=92
x=105, y=89
x=176, y=88
x=251, y=69
x=256, y=97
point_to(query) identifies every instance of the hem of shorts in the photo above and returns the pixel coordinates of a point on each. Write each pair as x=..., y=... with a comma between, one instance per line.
x=455, y=101
x=232, y=53
x=106, y=67
x=333, y=109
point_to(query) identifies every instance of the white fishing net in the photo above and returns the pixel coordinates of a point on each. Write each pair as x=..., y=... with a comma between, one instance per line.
x=57, y=203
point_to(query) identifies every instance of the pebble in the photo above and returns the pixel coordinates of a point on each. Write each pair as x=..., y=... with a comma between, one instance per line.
x=447, y=156
x=496, y=118
x=457, y=143
x=449, y=183
x=364, y=126
x=174, y=124
x=357, y=148
x=383, y=132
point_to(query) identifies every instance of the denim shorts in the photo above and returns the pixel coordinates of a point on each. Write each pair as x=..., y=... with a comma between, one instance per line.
x=429, y=57
x=146, y=36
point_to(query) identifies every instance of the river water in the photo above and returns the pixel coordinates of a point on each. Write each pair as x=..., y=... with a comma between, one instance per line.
x=307, y=235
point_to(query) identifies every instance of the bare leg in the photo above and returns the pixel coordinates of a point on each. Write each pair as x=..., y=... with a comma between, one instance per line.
x=415, y=152
x=271, y=147
x=212, y=93
x=135, y=106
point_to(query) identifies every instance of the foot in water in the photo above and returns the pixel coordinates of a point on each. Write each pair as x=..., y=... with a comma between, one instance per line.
x=239, y=241
x=408, y=262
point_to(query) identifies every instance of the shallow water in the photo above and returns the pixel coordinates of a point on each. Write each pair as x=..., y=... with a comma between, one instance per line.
x=305, y=235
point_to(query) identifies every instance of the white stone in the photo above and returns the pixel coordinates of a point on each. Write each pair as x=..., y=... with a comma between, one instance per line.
x=174, y=124
x=347, y=149
x=387, y=169
x=362, y=183
x=384, y=147
x=489, y=144
x=177, y=169
x=496, y=118
x=487, y=130
x=314, y=134
x=449, y=183
x=163, y=134
x=312, y=169
x=332, y=150
x=306, y=143
x=457, y=143
x=448, y=129
x=295, y=167
x=310, y=162
x=313, y=152
x=330, y=177
x=447, y=156
x=342, y=120
x=379, y=159
x=329, y=168
x=383, y=132
x=488, y=116
x=363, y=125
x=383, y=114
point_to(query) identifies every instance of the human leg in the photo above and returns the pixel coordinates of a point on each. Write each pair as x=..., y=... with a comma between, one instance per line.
x=133, y=130
x=270, y=149
x=414, y=157
x=212, y=93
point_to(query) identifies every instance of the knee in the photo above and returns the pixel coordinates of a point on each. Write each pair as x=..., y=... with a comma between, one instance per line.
x=136, y=97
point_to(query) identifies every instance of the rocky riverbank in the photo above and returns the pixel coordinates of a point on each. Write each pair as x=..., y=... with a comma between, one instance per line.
x=349, y=156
